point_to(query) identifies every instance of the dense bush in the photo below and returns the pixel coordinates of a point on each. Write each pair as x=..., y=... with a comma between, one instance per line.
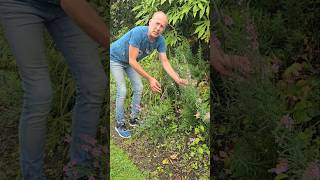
x=177, y=120
x=267, y=125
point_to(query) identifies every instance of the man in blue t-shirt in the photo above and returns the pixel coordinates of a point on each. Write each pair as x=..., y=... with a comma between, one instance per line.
x=125, y=53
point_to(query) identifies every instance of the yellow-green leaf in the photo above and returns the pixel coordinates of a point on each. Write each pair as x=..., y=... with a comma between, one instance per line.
x=200, y=6
x=165, y=161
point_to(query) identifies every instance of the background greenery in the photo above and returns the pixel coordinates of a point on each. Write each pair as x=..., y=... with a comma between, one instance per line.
x=175, y=122
x=267, y=126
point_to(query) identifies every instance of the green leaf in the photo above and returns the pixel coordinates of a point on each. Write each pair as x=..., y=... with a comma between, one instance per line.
x=196, y=141
x=281, y=176
x=197, y=30
x=300, y=113
x=137, y=8
x=200, y=150
x=195, y=10
x=202, y=11
x=201, y=30
x=205, y=147
x=139, y=22
x=202, y=128
x=200, y=6
x=139, y=14
x=196, y=130
x=185, y=9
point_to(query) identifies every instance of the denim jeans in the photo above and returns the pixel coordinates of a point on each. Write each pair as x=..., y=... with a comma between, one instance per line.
x=24, y=22
x=118, y=69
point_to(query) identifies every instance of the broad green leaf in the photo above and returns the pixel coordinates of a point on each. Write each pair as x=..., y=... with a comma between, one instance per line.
x=281, y=176
x=196, y=141
x=201, y=128
x=139, y=14
x=137, y=8
x=200, y=150
x=200, y=6
x=139, y=22
x=202, y=11
x=196, y=130
x=195, y=10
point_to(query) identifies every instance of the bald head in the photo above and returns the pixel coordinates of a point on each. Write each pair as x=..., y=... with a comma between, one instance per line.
x=157, y=24
x=160, y=16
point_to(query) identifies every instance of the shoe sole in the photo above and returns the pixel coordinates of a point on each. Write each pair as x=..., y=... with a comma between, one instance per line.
x=133, y=125
x=120, y=134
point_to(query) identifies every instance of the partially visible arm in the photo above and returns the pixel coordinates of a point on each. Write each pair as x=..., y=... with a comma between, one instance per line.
x=226, y=64
x=88, y=19
x=217, y=60
x=133, y=54
x=168, y=68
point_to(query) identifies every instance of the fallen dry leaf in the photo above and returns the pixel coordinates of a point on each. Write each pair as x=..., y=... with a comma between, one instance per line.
x=197, y=115
x=174, y=156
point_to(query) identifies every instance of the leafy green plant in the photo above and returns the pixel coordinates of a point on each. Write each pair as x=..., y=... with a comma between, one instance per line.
x=269, y=119
x=179, y=14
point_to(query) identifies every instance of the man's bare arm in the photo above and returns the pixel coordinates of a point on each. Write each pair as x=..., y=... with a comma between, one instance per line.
x=88, y=19
x=168, y=68
x=133, y=54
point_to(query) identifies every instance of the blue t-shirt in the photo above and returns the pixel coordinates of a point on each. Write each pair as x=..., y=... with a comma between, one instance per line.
x=137, y=37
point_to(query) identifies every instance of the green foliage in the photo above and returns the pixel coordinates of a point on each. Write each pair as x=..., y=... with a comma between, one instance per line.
x=160, y=121
x=118, y=10
x=299, y=142
x=181, y=13
x=6, y=57
x=10, y=103
x=272, y=115
x=121, y=167
x=253, y=114
x=178, y=114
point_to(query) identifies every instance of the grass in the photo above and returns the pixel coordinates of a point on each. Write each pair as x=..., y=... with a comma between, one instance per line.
x=121, y=167
x=10, y=105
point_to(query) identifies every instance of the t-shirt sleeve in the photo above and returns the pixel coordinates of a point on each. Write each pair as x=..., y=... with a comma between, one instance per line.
x=136, y=38
x=162, y=45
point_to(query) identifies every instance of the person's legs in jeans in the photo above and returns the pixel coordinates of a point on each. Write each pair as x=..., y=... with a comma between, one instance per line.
x=118, y=69
x=137, y=88
x=82, y=56
x=24, y=31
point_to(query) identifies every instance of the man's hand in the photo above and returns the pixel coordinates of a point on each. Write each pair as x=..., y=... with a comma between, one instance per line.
x=227, y=64
x=87, y=19
x=182, y=82
x=155, y=85
x=243, y=65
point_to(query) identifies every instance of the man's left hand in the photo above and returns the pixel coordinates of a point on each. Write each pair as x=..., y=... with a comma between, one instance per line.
x=182, y=82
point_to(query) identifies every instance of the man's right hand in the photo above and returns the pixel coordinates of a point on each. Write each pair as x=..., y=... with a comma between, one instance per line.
x=227, y=64
x=155, y=85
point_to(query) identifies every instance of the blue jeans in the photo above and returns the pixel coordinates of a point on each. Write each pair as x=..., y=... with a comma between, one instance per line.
x=118, y=69
x=24, y=22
